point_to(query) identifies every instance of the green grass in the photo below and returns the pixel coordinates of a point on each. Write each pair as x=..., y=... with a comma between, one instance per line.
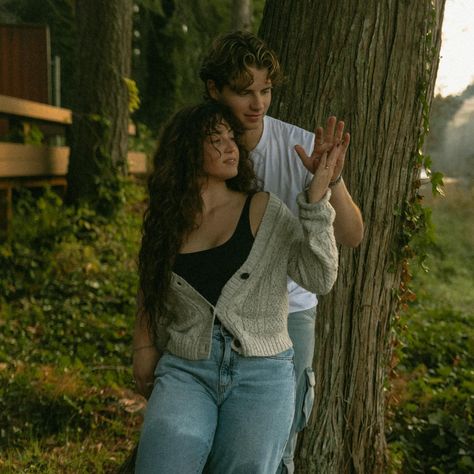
x=67, y=298
x=431, y=403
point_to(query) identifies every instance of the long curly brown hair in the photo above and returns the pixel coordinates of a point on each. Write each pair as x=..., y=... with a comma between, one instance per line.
x=175, y=200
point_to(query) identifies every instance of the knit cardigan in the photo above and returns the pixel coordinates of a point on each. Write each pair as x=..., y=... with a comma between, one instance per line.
x=253, y=305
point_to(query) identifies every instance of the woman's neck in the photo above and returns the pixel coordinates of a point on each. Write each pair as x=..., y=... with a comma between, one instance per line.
x=215, y=194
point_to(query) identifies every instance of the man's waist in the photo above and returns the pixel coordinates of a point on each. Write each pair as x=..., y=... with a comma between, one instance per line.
x=300, y=299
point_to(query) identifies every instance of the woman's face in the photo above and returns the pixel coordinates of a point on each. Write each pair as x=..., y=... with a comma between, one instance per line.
x=220, y=153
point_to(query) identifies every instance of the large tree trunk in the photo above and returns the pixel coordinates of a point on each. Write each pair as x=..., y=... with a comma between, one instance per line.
x=100, y=128
x=374, y=64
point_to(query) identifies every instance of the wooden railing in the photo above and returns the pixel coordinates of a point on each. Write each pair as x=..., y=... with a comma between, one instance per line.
x=40, y=165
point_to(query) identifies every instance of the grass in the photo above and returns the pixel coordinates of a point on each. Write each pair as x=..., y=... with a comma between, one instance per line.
x=431, y=405
x=67, y=297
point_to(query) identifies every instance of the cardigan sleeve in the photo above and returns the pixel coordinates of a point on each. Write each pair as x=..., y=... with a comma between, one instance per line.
x=313, y=256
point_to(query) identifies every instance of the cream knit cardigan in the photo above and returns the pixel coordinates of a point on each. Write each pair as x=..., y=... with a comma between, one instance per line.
x=253, y=305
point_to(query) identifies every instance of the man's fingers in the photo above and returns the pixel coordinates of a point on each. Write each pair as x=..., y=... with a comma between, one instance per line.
x=339, y=131
x=330, y=127
x=303, y=156
x=346, y=141
x=319, y=136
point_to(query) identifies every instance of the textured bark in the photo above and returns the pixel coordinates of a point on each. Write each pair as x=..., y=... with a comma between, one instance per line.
x=100, y=129
x=241, y=16
x=367, y=62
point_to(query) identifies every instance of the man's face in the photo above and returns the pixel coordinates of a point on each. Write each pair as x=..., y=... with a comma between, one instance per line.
x=249, y=105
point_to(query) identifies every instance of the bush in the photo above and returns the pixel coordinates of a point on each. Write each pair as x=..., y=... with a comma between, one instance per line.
x=68, y=281
x=431, y=404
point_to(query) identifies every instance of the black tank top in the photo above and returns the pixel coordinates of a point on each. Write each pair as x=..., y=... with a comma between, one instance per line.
x=209, y=270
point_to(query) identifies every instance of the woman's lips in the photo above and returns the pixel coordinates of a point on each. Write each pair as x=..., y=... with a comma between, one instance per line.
x=253, y=117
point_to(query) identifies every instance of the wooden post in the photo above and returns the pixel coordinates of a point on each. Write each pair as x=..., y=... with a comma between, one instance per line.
x=5, y=210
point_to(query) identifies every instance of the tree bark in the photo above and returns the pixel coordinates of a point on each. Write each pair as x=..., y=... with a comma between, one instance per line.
x=241, y=16
x=374, y=64
x=100, y=124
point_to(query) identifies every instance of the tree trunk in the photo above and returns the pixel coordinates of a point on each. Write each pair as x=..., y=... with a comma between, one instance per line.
x=241, y=16
x=374, y=64
x=100, y=125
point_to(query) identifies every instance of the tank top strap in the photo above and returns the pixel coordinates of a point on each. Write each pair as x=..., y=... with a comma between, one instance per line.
x=243, y=226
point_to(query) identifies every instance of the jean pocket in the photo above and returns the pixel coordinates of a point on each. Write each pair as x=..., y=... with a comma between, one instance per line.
x=308, y=400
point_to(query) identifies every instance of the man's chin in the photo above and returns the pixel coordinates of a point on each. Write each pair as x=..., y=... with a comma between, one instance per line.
x=252, y=125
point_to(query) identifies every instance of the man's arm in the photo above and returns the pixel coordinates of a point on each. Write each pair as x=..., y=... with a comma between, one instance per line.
x=348, y=224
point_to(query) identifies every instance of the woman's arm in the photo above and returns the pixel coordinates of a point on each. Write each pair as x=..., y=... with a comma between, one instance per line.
x=145, y=353
x=313, y=258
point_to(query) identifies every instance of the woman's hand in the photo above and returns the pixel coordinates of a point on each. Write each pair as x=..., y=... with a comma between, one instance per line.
x=145, y=353
x=324, y=173
x=145, y=359
x=324, y=142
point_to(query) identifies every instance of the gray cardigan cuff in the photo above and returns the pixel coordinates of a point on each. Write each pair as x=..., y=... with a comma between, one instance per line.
x=322, y=209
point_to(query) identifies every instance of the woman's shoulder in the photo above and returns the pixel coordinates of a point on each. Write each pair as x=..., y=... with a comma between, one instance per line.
x=260, y=199
x=258, y=206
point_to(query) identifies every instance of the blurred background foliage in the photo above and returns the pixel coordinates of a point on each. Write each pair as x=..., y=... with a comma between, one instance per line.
x=430, y=401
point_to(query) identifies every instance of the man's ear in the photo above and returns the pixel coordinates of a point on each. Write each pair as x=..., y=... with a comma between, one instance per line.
x=212, y=89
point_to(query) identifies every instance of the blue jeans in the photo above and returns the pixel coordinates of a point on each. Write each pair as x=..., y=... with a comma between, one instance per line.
x=227, y=414
x=301, y=327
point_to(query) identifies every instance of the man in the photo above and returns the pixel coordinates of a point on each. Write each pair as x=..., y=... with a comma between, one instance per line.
x=240, y=71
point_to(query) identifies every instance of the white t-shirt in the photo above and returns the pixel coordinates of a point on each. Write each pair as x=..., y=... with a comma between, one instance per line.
x=282, y=173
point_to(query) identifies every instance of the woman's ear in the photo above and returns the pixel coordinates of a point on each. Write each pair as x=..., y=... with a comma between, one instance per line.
x=212, y=89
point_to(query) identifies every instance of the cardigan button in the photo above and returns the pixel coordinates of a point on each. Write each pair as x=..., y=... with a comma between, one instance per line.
x=237, y=344
x=245, y=276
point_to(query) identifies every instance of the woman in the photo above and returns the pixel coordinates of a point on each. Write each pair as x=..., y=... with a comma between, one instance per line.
x=214, y=262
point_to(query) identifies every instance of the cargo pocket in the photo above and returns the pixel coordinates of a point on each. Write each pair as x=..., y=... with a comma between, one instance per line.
x=308, y=398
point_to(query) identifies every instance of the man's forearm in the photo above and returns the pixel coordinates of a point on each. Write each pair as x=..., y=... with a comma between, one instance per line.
x=348, y=224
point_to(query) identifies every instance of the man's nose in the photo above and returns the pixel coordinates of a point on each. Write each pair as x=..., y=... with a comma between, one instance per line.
x=257, y=102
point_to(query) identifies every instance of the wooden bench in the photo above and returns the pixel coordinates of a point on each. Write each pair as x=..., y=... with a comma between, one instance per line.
x=40, y=165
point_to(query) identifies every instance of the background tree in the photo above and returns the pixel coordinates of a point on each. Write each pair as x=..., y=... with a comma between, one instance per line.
x=451, y=138
x=171, y=38
x=100, y=125
x=241, y=16
x=374, y=64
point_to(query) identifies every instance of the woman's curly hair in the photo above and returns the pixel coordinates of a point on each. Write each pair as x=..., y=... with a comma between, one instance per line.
x=175, y=200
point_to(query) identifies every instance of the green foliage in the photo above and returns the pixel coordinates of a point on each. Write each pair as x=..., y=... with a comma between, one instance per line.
x=144, y=140
x=24, y=132
x=173, y=36
x=433, y=424
x=60, y=273
x=133, y=96
x=68, y=281
x=432, y=395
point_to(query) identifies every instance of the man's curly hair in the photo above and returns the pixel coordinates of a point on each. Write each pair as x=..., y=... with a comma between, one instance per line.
x=229, y=58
